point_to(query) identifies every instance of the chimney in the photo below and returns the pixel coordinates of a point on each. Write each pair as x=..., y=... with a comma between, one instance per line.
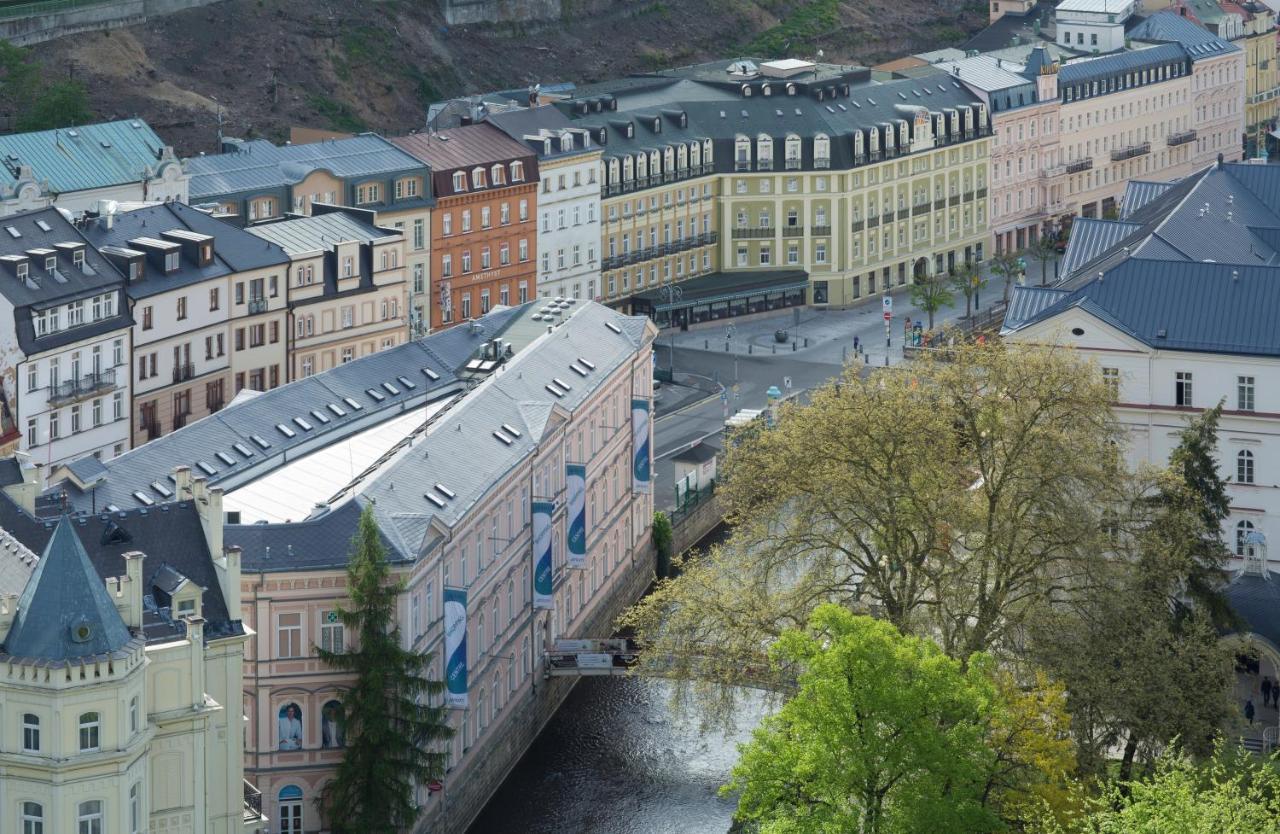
x=129, y=603
x=208, y=501
x=182, y=476
x=229, y=578
x=195, y=634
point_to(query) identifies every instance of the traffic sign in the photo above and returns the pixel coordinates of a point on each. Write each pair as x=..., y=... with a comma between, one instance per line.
x=888, y=303
x=887, y=315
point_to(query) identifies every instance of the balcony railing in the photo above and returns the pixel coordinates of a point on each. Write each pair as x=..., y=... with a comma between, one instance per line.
x=820, y=231
x=257, y=305
x=152, y=428
x=903, y=214
x=821, y=163
x=1182, y=138
x=252, y=802
x=183, y=372
x=1120, y=154
x=793, y=231
x=747, y=232
x=858, y=225
x=1079, y=165
x=611, y=263
x=792, y=164
x=85, y=386
x=939, y=204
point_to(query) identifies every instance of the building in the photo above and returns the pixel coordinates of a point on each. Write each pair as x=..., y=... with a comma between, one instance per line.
x=257, y=181
x=1175, y=302
x=1093, y=26
x=568, y=198
x=347, y=292
x=66, y=344
x=757, y=167
x=209, y=311
x=122, y=669
x=471, y=444
x=76, y=168
x=483, y=233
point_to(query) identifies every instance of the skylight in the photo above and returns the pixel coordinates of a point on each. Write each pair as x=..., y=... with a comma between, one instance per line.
x=433, y=499
x=162, y=489
x=554, y=390
x=44, y=227
x=225, y=458
x=262, y=443
x=13, y=232
x=378, y=396
x=143, y=498
x=615, y=328
x=206, y=468
x=242, y=449
x=302, y=424
x=586, y=364
x=337, y=412
x=509, y=429
x=320, y=416
x=558, y=381
x=445, y=491
x=506, y=440
x=431, y=375
x=285, y=430
x=354, y=405
x=391, y=389
x=406, y=383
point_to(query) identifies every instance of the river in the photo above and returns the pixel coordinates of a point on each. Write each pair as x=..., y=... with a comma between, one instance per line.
x=614, y=761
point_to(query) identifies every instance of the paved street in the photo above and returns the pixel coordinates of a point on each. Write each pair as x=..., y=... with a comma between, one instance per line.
x=687, y=414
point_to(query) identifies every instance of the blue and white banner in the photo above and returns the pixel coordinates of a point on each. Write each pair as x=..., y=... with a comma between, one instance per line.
x=455, y=646
x=542, y=554
x=576, y=477
x=641, y=464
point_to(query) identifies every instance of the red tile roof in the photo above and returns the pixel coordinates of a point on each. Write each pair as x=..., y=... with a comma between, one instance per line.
x=462, y=147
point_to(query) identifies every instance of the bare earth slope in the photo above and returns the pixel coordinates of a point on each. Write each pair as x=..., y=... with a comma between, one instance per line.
x=373, y=64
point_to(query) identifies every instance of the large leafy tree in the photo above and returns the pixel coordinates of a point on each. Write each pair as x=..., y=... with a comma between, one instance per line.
x=954, y=498
x=1008, y=267
x=391, y=726
x=967, y=279
x=887, y=734
x=930, y=292
x=36, y=101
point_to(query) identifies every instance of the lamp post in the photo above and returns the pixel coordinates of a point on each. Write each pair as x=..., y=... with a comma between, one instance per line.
x=671, y=294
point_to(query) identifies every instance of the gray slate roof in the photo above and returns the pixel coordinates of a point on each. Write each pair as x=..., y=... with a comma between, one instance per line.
x=1118, y=63
x=321, y=231
x=1171, y=27
x=64, y=612
x=1138, y=193
x=1091, y=237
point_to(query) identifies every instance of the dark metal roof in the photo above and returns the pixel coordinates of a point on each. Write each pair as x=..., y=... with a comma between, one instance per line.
x=717, y=285
x=1256, y=600
x=1091, y=237
x=1138, y=193
x=1171, y=27
x=698, y=453
x=64, y=612
x=463, y=147
x=1118, y=63
x=315, y=544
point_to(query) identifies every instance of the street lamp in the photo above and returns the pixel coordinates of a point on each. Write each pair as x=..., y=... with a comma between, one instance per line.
x=671, y=294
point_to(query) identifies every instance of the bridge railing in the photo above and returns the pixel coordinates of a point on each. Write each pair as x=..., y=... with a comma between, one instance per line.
x=758, y=672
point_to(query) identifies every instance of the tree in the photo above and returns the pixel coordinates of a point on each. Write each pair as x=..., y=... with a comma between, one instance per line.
x=1044, y=250
x=663, y=542
x=390, y=724
x=967, y=279
x=887, y=734
x=1008, y=267
x=37, y=101
x=930, y=293
x=954, y=498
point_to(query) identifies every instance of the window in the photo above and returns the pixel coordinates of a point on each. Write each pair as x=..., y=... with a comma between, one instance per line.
x=1111, y=379
x=290, y=815
x=1244, y=393
x=89, y=817
x=135, y=808
x=459, y=184
x=1182, y=388
x=32, y=818
x=88, y=731
x=289, y=634
x=446, y=266
x=30, y=733
x=1244, y=547
x=332, y=637
x=1244, y=467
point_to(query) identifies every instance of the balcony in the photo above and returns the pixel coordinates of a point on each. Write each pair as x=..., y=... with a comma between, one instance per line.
x=611, y=263
x=86, y=386
x=1050, y=173
x=1132, y=151
x=793, y=231
x=858, y=225
x=873, y=222
x=252, y=804
x=982, y=193
x=749, y=233
x=821, y=163
x=820, y=231
x=1182, y=138
x=886, y=218
x=903, y=214
x=151, y=428
x=939, y=204
x=708, y=238
x=764, y=164
x=1078, y=166
x=792, y=164
x=183, y=372
x=257, y=305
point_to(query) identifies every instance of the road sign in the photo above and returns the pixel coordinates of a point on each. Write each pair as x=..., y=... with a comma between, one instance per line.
x=887, y=315
x=724, y=396
x=888, y=303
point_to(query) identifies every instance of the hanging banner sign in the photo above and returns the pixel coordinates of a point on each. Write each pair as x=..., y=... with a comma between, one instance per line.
x=641, y=465
x=576, y=478
x=542, y=554
x=455, y=646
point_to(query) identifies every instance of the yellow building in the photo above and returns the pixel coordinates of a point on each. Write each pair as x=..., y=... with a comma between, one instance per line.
x=1261, y=78
x=782, y=167
x=121, y=670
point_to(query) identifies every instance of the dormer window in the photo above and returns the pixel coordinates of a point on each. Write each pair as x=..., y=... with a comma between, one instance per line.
x=23, y=270
x=459, y=182
x=631, y=131
x=77, y=258
x=51, y=264
x=497, y=175
x=477, y=178
x=171, y=261
x=566, y=142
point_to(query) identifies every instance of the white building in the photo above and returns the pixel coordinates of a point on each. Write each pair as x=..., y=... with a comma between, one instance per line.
x=64, y=341
x=1176, y=304
x=1092, y=25
x=568, y=199
x=77, y=167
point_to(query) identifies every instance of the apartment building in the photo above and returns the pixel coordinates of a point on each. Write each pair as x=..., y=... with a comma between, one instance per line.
x=786, y=165
x=257, y=181
x=464, y=443
x=568, y=198
x=1202, y=245
x=77, y=167
x=123, y=655
x=484, y=235
x=209, y=311
x=65, y=350
x=347, y=289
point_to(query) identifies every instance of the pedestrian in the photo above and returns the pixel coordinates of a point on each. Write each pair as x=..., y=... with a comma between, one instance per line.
x=1248, y=711
x=855, y=344
x=1266, y=691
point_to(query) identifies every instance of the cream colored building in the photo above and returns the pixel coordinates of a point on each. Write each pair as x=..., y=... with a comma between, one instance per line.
x=119, y=691
x=347, y=290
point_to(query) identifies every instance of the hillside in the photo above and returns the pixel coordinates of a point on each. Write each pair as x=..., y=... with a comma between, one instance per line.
x=372, y=64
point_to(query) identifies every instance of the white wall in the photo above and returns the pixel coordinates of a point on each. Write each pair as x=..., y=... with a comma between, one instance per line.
x=584, y=198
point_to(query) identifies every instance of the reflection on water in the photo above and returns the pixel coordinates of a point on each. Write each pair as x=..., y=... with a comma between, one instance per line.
x=613, y=761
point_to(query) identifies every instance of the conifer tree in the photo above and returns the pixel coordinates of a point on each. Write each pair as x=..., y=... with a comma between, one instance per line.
x=392, y=715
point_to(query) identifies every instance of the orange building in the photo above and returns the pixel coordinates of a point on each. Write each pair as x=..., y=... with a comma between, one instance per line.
x=483, y=230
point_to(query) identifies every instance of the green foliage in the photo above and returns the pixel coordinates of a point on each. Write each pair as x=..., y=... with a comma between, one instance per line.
x=888, y=734
x=39, y=102
x=1044, y=250
x=799, y=31
x=967, y=279
x=930, y=293
x=663, y=540
x=392, y=729
x=338, y=115
x=1005, y=264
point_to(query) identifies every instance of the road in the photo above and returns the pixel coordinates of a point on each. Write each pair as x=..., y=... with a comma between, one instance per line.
x=754, y=361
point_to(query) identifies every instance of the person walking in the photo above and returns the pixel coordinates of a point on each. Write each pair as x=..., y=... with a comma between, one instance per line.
x=1248, y=711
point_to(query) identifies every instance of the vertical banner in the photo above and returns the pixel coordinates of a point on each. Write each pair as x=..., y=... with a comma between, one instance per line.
x=455, y=646
x=641, y=465
x=542, y=554
x=576, y=477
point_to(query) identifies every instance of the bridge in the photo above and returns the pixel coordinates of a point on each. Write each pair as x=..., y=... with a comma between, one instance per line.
x=624, y=656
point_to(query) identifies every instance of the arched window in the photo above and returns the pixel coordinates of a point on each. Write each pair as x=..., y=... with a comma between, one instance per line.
x=32, y=818
x=481, y=715
x=289, y=726
x=764, y=152
x=642, y=166
x=89, y=724
x=332, y=721
x=497, y=175
x=821, y=151
x=30, y=733
x=1243, y=529
x=89, y=817
x=793, y=151
x=290, y=810
x=706, y=152
x=695, y=154
x=566, y=142
x=741, y=153
x=1244, y=467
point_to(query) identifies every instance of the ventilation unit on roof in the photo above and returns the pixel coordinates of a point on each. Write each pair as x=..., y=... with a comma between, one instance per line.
x=615, y=328
x=302, y=424
x=554, y=390
x=431, y=375
x=143, y=498
x=225, y=458
x=354, y=405
x=285, y=430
